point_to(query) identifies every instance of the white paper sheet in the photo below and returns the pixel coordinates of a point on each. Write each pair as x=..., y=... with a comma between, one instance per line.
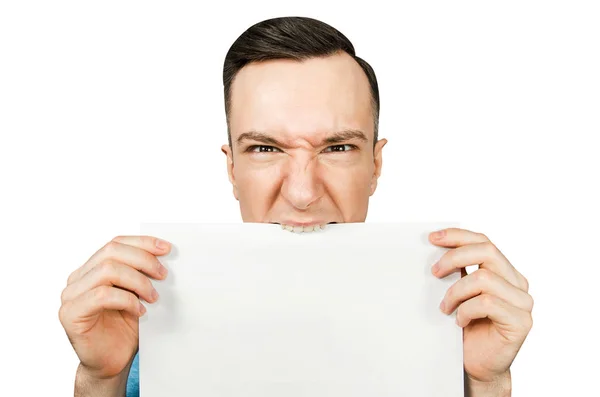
x=256, y=311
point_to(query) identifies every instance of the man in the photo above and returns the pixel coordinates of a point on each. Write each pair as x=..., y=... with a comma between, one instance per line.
x=303, y=151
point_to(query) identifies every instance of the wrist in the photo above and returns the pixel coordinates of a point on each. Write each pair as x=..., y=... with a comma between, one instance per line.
x=499, y=387
x=88, y=385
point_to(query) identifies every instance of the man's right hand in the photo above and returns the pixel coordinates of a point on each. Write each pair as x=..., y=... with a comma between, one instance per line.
x=101, y=304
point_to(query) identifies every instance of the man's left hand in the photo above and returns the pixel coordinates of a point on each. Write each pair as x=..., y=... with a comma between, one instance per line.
x=493, y=306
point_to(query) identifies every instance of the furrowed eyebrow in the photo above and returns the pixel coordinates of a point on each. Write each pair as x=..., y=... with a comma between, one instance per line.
x=335, y=138
x=258, y=137
x=346, y=135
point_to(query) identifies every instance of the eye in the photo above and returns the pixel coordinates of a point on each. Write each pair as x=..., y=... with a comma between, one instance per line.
x=262, y=149
x=340, y=148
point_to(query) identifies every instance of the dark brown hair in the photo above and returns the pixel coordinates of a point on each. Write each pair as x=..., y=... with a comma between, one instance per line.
x=297, y=38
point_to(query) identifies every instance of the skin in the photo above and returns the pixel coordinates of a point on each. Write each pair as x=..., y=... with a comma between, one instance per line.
x=290, y=173
x=302, y=154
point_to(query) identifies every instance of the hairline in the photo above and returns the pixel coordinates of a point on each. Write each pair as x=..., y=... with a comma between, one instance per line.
x=373, y=102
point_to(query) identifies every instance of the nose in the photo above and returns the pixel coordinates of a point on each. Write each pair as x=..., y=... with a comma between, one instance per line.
x=302, y=186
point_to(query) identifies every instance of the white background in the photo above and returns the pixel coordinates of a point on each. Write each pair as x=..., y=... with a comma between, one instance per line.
x=111, y=113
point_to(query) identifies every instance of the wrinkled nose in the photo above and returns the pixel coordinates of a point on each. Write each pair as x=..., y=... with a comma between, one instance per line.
x=302, y=186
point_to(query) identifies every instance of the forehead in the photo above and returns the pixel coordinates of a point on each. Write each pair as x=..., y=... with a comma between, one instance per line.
x=293, y=99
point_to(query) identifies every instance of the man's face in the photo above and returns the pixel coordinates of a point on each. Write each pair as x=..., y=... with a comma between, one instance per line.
x=302, y=142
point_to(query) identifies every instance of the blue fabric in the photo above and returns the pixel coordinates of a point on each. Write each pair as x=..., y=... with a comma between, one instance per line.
x=133, y=381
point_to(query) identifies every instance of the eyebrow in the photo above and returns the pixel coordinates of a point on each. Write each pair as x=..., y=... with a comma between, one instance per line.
x=335, y=138
x=345, y=135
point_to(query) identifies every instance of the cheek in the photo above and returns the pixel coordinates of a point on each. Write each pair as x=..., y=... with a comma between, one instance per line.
x=257, y=189
x=349, y=187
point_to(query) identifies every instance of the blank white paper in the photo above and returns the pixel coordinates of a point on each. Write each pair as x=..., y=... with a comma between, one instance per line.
x=256, y=311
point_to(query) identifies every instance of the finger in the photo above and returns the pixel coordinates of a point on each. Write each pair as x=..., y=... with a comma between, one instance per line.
x=151, y=244
x=459, y=238
x=483, y=281
x=112, y=273
x=486, y=255
x=137, y=251
x=456, y=237
x=511, y=321
x=97, y=300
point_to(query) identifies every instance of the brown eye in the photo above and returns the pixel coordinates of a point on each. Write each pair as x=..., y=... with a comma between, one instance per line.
x=262, y=149
x=340, y=148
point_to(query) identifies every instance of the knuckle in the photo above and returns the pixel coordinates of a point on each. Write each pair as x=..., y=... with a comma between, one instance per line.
x=111, y=248
x=102, y=294
x=107, y=269
x=490, y=248
x=530, y=302
x=63, y=296
x=487, y=300
x=62, y=312
x=482, y=275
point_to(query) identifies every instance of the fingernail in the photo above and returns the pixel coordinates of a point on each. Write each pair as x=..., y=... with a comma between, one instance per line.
x=142, y=309
x=161, y=244
x=163, y=271
x=439, y=234
x=443, y=307
x=154, y=295
x=435, y=268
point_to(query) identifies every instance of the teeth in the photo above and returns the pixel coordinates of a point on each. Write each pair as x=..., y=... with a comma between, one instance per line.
x=303, y=229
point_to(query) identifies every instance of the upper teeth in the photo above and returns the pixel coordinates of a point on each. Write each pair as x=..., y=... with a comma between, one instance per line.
x=303, y=229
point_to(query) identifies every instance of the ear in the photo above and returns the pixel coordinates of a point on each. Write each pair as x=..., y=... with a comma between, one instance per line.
x=226, y=149
x=377, y=158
